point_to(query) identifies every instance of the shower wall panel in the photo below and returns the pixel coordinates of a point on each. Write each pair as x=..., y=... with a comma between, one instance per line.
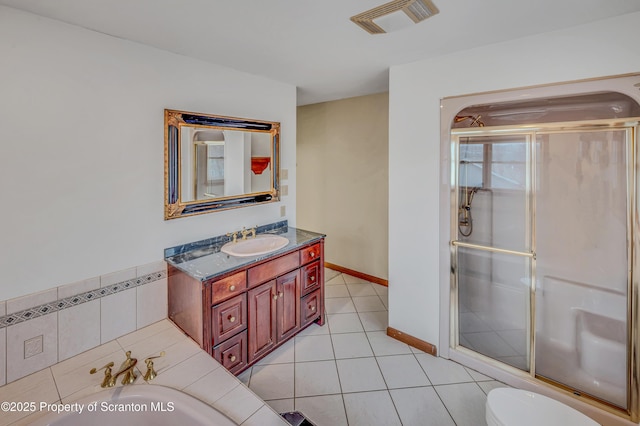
x=582, y=261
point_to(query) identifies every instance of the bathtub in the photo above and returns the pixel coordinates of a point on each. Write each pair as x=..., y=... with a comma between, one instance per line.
x=134, y=405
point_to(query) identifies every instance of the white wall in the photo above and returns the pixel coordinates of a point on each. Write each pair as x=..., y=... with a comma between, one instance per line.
x=81, y=150
x=418, y=251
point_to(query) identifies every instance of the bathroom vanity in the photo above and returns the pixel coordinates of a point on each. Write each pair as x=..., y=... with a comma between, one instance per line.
x=239, y=309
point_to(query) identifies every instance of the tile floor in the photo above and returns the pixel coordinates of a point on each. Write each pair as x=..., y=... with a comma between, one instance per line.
x=349, y=372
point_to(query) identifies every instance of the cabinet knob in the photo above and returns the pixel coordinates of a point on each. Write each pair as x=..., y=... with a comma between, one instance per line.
x=231, y=318
x=275, y=297
x=280, y=294
x=232, y=358
x=232, y=288
x=313, y=278
x=313, y=254
x=313, y=308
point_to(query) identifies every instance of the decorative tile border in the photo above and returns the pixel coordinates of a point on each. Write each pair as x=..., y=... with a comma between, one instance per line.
x=79, y=299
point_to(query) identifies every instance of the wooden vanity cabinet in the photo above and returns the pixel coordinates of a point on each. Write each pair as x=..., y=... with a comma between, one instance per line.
x=242, y=316
x=274, y=313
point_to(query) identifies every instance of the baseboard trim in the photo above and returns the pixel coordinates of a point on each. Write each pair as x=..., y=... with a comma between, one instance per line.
x=357, y=274
x=412, y=341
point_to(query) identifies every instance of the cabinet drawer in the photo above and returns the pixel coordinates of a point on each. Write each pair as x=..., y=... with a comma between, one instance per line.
x=232, y=354
x=310, y=307
x=270, y=270
x=228, y=318
x=309, y=254
x=228, y=287
x=310, y=277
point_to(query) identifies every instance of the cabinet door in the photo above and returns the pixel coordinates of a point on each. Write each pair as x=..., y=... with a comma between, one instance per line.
x=288, y=302
x=262, y=319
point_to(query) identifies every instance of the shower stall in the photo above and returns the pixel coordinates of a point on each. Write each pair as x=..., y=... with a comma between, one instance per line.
x=543, y=224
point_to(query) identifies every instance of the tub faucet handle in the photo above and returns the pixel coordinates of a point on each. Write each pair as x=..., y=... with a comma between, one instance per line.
x=151, y=373
x=107, y=374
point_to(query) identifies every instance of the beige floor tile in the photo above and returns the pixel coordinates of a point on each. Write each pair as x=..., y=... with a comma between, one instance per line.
x=313, y=348
x=360, y=375
x=316, y=378
x=338, y=290
x=324, y=410
x=368, y=304
x=442, y=371
x=345, y=323
x=370, y=408
x=265, y=416
x=415, y=405
x=334, y=281
x=464, y=401
x=384, y=345
x=374, y=321
x=363, y=289
x=340, y=305
x=281, y=405
x=351, y=345
x=274, y=381
x=402, y=371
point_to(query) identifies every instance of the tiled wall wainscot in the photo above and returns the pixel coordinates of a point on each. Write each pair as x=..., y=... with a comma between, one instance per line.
x=41, y=329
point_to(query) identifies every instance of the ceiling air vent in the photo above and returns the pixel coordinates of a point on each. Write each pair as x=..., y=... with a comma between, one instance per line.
x=416, y=10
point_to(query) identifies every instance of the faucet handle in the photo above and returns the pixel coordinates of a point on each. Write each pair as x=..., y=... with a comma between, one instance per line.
x=253, y=231
x=107, y=373
x=244, y=233
x=233, y=235
x=151, y=373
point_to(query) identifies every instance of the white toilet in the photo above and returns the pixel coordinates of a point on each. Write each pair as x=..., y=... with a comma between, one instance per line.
x=517, y=407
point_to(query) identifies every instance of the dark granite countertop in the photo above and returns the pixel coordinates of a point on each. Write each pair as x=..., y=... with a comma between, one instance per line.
x=203, y=260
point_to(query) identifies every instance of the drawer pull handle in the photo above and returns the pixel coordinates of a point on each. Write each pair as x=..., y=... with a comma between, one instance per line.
x=313, y=278
x=313, y=254
x=232, y=358
x=231, y=318
x=232, y=288
x=313, y=308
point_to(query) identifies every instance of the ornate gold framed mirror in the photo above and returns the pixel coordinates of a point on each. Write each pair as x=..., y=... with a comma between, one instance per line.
x=215, y=163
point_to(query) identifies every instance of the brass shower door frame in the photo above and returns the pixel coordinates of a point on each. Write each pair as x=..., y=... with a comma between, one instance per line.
x=631, y=126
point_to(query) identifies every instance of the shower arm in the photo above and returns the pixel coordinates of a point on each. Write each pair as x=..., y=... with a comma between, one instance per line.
x=475, y=120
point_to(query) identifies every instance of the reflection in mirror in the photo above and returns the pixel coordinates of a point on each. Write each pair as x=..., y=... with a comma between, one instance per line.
x=216, y=163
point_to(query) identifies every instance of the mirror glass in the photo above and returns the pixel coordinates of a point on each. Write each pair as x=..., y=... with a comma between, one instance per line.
x=218, y=163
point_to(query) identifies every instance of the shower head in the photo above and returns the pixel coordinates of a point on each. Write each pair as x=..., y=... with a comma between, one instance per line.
x=474, y=120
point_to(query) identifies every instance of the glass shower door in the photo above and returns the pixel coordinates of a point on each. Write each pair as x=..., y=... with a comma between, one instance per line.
x=493, y=247
x=582, y=261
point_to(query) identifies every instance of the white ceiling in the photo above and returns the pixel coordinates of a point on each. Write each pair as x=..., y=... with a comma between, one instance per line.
x=312, y=44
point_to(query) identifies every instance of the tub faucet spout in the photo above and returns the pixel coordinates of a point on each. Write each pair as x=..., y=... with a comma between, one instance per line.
x=127, y=368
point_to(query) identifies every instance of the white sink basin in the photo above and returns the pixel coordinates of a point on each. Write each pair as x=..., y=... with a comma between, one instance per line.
x=261, y=244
